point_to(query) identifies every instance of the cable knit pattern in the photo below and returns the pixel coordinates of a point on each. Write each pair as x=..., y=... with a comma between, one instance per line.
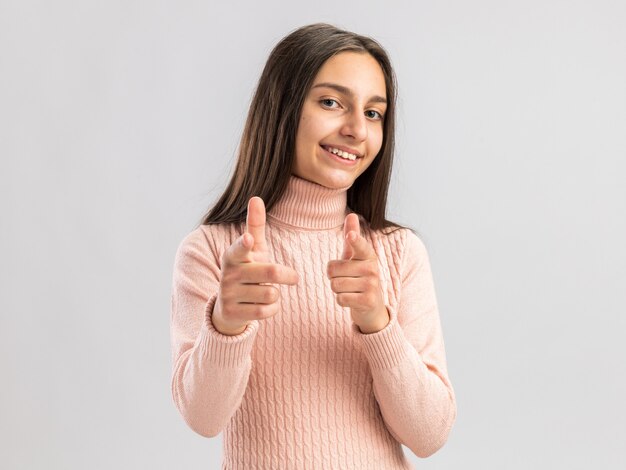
x=305, y=389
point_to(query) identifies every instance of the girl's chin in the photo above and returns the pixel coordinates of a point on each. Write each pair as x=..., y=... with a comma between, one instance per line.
x=339, y=182
x=329, y=177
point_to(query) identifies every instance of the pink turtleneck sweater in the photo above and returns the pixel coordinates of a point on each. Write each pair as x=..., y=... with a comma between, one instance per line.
x=305, y=389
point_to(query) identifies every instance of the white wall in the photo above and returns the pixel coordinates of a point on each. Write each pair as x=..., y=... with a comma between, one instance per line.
x=119, y=122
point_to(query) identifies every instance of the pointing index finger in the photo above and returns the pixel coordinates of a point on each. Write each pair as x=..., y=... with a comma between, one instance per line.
x=361, y=249
x=239, y=252
x=270, y=273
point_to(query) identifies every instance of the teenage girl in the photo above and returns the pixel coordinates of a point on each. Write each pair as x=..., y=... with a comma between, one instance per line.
x=305, y=324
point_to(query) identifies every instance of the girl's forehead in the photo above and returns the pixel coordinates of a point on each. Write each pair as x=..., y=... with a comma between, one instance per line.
x=351, y=74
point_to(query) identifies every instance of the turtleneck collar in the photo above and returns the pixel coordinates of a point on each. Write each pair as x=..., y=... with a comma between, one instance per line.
x=309, y=205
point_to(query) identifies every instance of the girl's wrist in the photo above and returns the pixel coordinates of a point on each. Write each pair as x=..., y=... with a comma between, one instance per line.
x=375, y=326
x=223, y=327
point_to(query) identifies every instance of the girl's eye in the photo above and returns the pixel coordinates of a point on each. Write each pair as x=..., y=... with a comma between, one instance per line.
x=377, y=116
x=325, y=101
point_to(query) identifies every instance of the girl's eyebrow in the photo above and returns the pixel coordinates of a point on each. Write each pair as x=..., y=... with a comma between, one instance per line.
x=347, y=91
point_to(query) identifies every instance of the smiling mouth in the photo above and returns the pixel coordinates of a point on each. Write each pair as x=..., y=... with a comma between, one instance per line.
x=340, y=153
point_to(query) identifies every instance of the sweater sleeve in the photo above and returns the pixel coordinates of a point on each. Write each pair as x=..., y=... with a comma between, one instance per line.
x=408, y=362
x=210, y=370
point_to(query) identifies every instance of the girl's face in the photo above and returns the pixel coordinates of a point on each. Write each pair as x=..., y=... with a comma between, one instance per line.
x=343, y=110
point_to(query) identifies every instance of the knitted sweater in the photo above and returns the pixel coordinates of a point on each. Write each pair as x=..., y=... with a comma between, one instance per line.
x=305, y=389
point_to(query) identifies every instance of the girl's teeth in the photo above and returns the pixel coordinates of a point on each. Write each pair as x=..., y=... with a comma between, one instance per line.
x=346, y=155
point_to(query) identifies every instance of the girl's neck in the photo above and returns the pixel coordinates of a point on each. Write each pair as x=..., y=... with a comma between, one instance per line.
x=308, y=205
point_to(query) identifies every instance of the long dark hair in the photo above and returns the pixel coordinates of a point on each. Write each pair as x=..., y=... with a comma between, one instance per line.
x=267, y=147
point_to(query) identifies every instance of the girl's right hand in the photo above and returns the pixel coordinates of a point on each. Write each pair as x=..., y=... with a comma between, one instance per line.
x=246, y=292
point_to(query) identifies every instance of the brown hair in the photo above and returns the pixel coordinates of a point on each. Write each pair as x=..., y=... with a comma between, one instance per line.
x=267, y=147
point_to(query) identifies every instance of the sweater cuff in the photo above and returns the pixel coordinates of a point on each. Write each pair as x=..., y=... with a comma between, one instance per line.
x=224, y=350
x=386, y=348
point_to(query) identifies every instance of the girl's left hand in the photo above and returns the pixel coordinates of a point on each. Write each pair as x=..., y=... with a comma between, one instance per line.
x=355, y=279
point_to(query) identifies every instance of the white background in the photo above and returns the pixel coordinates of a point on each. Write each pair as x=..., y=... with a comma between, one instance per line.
x=119, y=122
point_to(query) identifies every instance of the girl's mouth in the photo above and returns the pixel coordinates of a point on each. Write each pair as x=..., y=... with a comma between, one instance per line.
x=337, y=158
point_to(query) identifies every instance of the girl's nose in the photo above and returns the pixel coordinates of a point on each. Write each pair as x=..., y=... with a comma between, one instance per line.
x=355, y=125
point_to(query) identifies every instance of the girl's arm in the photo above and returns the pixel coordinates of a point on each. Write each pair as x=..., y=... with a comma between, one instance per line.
x=408, y=361
x=210, y=370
